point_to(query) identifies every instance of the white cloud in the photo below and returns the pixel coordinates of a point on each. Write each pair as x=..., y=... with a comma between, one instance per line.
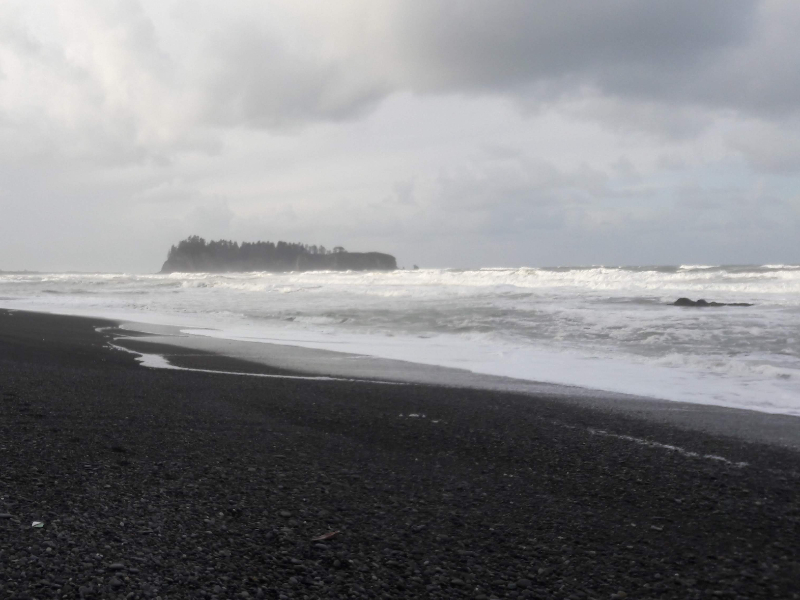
x=520, y=132
x=768, y=146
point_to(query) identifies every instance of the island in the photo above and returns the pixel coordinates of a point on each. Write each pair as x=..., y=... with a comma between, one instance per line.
x=195, y=255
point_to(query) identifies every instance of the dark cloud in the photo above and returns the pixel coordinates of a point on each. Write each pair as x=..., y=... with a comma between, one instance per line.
x=514, y=43
x=124, y=74
x=459, y=133
x=634, y=50
x=666, y=67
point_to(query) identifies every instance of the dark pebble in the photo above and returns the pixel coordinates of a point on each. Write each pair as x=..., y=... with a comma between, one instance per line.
x=508, y=496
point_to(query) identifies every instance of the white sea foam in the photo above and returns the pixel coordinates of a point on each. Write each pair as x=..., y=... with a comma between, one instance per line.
x=160, y=361
x=610, y=328
x=669, y=447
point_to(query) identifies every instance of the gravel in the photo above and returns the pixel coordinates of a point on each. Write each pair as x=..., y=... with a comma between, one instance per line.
x=173, y=484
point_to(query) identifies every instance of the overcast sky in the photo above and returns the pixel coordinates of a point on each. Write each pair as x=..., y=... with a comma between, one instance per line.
x=452, y=134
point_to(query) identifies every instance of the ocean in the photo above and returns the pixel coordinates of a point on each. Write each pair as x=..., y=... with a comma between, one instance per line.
x=603, y=328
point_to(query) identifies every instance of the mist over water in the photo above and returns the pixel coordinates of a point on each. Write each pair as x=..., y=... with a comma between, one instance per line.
x=608, y=328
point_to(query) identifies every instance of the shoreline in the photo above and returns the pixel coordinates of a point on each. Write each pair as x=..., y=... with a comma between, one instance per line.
x=750, y=385
x=748, y=425
x=183, y=484
x=722, y=363
x=181, y=351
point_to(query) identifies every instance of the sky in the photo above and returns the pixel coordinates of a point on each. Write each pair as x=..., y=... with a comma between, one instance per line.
x=450, y=134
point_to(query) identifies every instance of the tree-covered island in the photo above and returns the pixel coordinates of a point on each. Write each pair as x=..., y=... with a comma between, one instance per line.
x=194, y=255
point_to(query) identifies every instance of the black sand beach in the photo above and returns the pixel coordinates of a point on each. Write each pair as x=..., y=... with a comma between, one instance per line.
x=178, y=484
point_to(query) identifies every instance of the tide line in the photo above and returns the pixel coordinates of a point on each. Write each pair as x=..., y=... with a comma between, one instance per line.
x=678, y=449
x=158, y=361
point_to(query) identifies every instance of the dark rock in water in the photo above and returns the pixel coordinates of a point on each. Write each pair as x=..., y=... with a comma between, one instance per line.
x=704, y=303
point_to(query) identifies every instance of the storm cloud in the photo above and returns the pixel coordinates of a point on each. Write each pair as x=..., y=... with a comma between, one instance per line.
x=451, y=134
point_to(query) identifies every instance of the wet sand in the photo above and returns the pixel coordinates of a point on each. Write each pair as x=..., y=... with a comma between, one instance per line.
x=180, y=349
x=186, y=484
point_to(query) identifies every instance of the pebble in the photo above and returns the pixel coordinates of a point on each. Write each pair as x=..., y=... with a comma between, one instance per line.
x=406, y=532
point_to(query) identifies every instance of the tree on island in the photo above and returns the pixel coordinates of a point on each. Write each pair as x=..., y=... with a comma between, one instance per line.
x=194, y=254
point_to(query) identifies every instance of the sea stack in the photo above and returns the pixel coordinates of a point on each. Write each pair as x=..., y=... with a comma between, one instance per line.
x=194, y=255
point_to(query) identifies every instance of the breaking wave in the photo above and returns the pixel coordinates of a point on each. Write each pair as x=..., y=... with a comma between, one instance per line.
x=601, y=326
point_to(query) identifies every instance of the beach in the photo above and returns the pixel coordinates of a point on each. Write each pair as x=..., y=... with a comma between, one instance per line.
x=192, y=484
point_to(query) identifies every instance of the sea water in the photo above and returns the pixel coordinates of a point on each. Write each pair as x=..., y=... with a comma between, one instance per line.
x=605, y=328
